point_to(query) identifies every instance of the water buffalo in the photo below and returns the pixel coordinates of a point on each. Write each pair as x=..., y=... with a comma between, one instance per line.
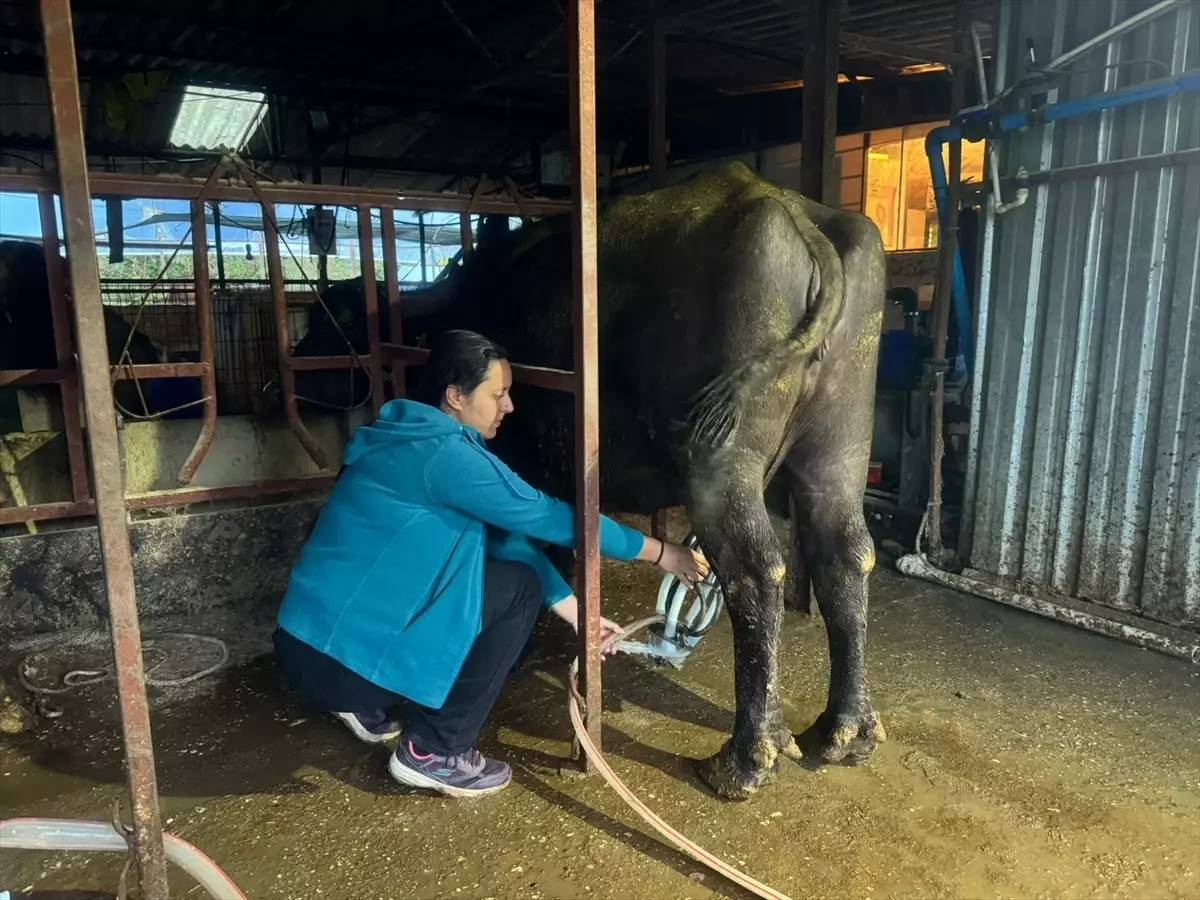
x=739, y=328
x=27, y=334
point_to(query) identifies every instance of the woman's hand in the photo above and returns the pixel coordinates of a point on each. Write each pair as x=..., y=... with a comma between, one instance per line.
x=688, y=565
x=568, y=610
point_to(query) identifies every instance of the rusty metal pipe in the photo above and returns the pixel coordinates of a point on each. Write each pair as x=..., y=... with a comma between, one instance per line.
x=366, y=255
x=466, y=235
x=17, y=515
x=324, y=363
x=44, y=512
x=658, y=525
x=177, y=188
x=534, y=376
x=283, y=341
x=60, y=313
x=391, y=274
x=131, y=372
x=138, y=371
x=33, y=376
x=71, y=154
x=658, y=163
x=581, y=28
x=204, y=329
x=168, y=499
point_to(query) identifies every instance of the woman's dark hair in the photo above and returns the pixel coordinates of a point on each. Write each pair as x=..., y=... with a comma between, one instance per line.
x=458, y=359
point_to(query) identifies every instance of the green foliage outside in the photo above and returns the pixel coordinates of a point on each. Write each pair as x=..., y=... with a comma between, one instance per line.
x=146, y=267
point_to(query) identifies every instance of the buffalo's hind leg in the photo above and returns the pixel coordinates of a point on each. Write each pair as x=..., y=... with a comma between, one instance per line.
x=798, y=596
x=746, y=554
x=841, y=556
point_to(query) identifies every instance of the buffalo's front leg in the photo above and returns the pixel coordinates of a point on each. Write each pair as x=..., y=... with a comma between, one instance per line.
x=745, y=552
x=841, y=556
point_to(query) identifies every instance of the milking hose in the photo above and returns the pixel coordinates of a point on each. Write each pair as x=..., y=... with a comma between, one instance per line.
x=698, y=853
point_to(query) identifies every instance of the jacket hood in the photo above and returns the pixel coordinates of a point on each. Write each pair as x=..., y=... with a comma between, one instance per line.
x=404, y=421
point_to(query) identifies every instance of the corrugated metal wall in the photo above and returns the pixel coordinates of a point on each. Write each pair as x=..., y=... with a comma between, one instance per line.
x=1086, y=458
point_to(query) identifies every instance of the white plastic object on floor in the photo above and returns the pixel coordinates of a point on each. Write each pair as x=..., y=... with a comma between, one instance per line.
x=80, y=834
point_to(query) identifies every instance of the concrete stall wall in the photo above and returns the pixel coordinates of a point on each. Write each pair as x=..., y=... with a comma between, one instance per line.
x=1086, y=450
x=183, y=564
x=184, y=561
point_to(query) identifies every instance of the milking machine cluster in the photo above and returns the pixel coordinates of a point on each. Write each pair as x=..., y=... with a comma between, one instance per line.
x=671, y=641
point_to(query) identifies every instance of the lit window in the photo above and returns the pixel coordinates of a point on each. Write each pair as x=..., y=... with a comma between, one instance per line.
x=211, y=117
x=899, y=192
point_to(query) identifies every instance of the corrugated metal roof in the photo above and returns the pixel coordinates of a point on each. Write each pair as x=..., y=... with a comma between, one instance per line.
x=418, y=50
x=428, y=143
x=475, y=88
x=1088, y=465
x=923, y=27
x=211, y=118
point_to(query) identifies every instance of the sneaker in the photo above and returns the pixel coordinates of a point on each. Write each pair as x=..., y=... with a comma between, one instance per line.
x=465, y=775
x=371, y=729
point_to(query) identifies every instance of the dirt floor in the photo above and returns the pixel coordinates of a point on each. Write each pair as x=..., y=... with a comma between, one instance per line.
x=1025, y=759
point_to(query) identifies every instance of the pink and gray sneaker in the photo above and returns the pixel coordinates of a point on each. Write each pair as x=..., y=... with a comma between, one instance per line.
x=375, y=728
x=468, y=774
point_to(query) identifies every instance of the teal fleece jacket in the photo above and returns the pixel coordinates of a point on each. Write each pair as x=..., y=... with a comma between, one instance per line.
x=390, y=583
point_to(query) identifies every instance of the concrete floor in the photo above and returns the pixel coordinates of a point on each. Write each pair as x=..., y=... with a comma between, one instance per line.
x=1025, y=759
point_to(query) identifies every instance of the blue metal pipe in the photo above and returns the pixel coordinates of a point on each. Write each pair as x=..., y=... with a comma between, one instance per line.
x=1055, y=112
x=934, y=142
x=1082, y=106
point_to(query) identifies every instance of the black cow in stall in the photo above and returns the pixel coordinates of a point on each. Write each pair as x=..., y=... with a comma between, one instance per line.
x=27, y=335
x=738, y=331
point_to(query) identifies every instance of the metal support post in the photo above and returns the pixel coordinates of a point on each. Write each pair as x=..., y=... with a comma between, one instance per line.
x=60, y=315
x=391, y=276
x=71, y=154
x=283, y=340
x=466, y=235
x=204, y=331
x=658, y=105
x=658, y=164
x=218, y=244
x=818, y=133
x=581, y=26
x=421, y=242
x=366, y=255
x=947, y=255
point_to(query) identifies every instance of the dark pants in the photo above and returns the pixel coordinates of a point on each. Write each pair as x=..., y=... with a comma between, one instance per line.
x=512, y=595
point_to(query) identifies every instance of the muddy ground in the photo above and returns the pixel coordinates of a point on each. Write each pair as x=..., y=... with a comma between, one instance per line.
x=1025, y=759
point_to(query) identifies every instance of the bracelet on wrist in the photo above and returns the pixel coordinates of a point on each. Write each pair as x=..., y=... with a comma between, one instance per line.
x=662, y=549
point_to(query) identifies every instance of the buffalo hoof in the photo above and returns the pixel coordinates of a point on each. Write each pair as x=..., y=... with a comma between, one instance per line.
x=843, y=737
x=735, y=778
x=791, y=749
